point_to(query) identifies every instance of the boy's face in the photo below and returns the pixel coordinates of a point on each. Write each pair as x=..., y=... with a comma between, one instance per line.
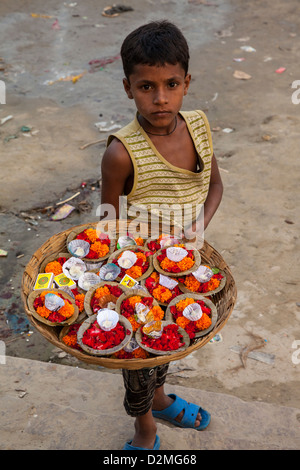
x=158, y=93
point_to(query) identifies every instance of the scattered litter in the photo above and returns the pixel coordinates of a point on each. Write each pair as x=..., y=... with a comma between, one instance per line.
x=215, y=96
x=216, y=129
x=73, y=78
x=240, y=75
x=115, y=10
x=21, y=392
x=37, y=15
x=217, y=338
x=5, y=119
x=267, y=137
x=20, y=256
x=239, y=59
x=55, y=25
x=248, y=49
x=3, y=253
x=243, y=39
x=70, y=4
x=257, y=355
x=227, y=130
x=105, y=127
x=248, y=351
x=280, y=70
x=63, y=212
x=25, y=129
x=91, y=143
x=96, y=64
x=267, y=59
x=68, y=199
x=287, y=221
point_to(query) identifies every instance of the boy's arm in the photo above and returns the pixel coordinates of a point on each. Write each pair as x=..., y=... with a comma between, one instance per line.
x=211, y=204
x=215, y=193
x=116, y=169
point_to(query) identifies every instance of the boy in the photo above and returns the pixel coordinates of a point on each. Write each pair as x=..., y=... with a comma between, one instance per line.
x=164, y=155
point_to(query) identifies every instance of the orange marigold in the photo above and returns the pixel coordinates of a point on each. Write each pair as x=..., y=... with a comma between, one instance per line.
x=54, y=267
x=134, y=271
x=192, y=283
x=204, y=322
x=91, y=234
x=70, y=340
x=213, y=284
x=67, y=310
x=186, y=263
x=184, y=303
x=139, y=241
x=157, y=312
x=135, y=325
x=100, y=248
x=182, y=322
x=162, y=294
x=80, y=299
x=141, y=256
x=101, y=291
x=43, y=311
x=155, y=276
x=134, y=300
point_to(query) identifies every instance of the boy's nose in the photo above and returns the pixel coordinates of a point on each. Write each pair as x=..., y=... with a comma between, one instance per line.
x=160, y=97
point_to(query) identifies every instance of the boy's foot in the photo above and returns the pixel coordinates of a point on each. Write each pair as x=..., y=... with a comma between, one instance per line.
x=181, y=413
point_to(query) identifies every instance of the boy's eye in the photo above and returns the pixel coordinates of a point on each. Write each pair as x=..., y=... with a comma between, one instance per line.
x=146, y=87
x=172, y=84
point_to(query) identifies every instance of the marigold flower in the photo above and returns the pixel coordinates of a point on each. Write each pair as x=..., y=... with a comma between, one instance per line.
x=182, y=304
x=79, y=300
x=43, y=311
x=70, y=340
x=204, y=322
x=67, y=310
x=162, y=294
x=101, y=291
x=54, y=267
x=91, y=234
x=100, y=248
x=139, y=241
x=182, y=322
x=134, y=300
x=134, y=271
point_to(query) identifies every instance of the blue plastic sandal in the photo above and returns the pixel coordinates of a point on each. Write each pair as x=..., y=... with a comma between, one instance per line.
x=189, y=417
x=156, y=446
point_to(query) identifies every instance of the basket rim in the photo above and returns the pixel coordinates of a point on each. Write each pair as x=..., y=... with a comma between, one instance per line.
x=226, y=299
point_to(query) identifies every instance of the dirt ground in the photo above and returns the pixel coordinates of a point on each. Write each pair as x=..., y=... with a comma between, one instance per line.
x=257, y=226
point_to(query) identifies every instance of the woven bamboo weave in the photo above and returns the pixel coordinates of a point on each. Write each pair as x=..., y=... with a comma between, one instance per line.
x=224, y=301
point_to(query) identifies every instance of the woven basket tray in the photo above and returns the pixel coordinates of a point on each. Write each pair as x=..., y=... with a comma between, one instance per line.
x=133, y=248
x=224, y=300
x=197, y=257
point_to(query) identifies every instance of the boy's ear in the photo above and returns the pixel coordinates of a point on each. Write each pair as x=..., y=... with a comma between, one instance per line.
x=187, y=80
x=127, y=88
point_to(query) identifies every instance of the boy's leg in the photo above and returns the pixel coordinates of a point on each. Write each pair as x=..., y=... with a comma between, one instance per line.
x=140, y=388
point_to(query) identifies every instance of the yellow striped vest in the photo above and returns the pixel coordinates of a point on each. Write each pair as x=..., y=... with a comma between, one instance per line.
x=159, y=187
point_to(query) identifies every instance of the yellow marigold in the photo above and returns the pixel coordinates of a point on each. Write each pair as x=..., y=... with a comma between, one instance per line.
x=43, y=311
x=182, y=322
x=204, y=322
x=91, y=234
x=184, y=303
x=101, y=291
x=54, y=267
x=67, y=310
x=100, y=248
x=162, y=294
x=134, y=271
x=134, y=300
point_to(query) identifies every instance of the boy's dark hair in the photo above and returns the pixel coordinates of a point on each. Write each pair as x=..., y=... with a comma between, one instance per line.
x=155, y=43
